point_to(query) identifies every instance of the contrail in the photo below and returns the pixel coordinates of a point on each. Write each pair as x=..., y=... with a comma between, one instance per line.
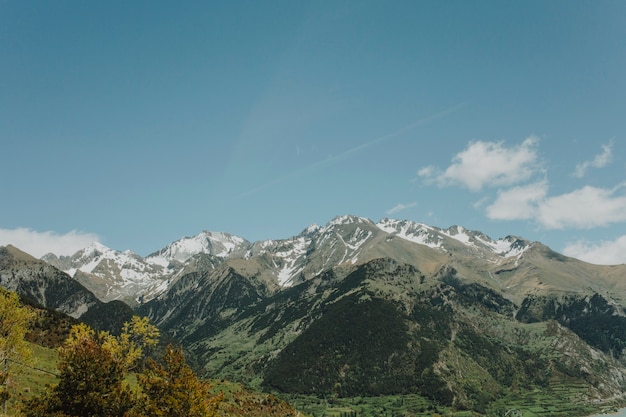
x=345, y=154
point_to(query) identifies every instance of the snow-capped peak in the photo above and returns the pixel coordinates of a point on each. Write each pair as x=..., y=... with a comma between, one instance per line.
x=435, y=238
x=345, y=239
x=218, y=244
x=458, y=233
x=411, y=231
x=509, y=246
x=94, y=254
x=314, y=228
x=505, y=247
x=95, y=247
x=348, y=219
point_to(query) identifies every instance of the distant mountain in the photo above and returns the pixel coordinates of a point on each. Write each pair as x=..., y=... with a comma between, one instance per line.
x=368, y=309
x=43, y=284
x=111, y=274
x=356, y=308
x=126, y=276
x=218, y=244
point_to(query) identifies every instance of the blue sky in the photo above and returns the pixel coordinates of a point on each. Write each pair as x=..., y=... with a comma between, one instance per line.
x=135, y=123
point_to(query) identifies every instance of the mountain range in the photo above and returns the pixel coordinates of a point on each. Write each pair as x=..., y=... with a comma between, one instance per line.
x=115, y=275
x=357, y=308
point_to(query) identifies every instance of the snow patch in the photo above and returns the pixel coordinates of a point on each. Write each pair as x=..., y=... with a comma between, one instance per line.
x=413, y=232
x=291, y=254
x=458, y=233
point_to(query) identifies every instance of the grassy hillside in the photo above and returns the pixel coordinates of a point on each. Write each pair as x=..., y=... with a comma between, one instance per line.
x=28, y=380
x=50, y=328
x=386, y=333
x=239, y=401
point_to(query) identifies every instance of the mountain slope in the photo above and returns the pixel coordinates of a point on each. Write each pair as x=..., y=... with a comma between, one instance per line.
x=356, y=308
x=112, y=275
x=402, y=308
x=386, y=328
x=204, y=301
x=126, y=276
x=42, y=284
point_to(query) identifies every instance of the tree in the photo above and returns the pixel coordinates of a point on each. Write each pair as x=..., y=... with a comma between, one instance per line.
x=138, y=337
x=92, y=368
x=91, y=380
x=15, y=321
x=172, y=389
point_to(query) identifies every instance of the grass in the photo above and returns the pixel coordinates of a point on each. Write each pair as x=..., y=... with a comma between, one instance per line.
x=242, y=401
x=559, y=401
x=413, y=405
x=32, y=379
x=556, y=400
x=26, y=381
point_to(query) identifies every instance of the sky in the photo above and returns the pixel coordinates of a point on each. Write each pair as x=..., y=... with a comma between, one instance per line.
x=135, y=123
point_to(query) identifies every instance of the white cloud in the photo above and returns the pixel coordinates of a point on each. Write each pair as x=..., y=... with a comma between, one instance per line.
x=518, y=203
x=600, y=161
x=488, y=164
x=605, y=253
x=428, y=171
x=38, y=244
x=584, y=208
x=511, y=169
x=400, y=207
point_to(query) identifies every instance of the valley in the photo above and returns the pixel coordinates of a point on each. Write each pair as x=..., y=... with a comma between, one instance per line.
x=360, y=318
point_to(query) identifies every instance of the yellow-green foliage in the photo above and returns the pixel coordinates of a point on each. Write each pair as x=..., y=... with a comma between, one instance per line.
x=172, y=389
x=93, y=367
x=15, y=321
x=90, y=380
x=128, y=348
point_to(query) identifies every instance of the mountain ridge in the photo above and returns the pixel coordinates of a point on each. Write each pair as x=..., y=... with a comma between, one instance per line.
x=357, y=309
x=129, y=277
x=43, y=284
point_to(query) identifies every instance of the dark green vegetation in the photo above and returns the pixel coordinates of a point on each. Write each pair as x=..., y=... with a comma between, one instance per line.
x=593, y=319
x=395, y=328
x=386, y=330
x=41, y=284
x=93, y=373
x=239, y=401
x=355, y=348
x=108, y=316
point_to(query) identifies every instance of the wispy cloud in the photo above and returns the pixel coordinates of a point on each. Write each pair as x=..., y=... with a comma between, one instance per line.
x=401, y=131
x=487, y=164
x=38, y=244
x=611, y=252
x=400, y=207
x=334, y=159
x=601, y=160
